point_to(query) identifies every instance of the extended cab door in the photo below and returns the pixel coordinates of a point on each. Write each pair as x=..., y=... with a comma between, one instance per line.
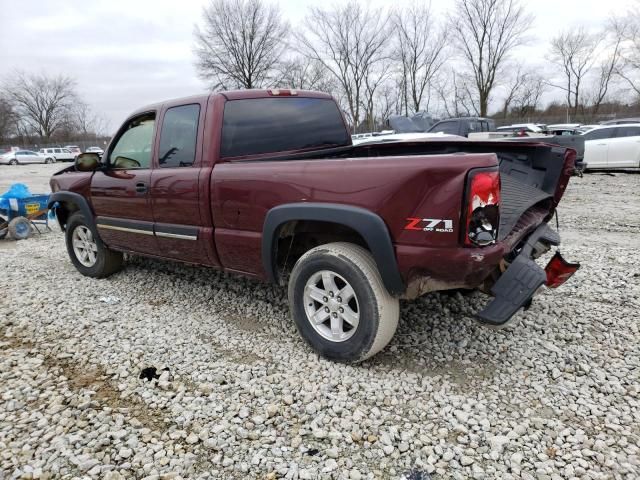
x=120, y=193
x=624, y=149
x=182, y=223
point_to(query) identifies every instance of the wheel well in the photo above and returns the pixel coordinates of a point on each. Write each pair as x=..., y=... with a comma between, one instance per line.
x=297, y=237
x=63, y=211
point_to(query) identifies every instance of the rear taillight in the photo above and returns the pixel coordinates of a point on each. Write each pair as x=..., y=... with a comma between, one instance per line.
x=559, y=271
x=483, y=208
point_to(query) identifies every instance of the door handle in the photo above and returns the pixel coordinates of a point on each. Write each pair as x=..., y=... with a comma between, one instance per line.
x=141, y=187
x=602, y=144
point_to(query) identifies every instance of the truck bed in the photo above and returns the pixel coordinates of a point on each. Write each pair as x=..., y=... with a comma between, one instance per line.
x=530, y=171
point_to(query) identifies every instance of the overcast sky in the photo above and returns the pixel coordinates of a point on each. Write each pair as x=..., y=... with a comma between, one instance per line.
x=128, y=53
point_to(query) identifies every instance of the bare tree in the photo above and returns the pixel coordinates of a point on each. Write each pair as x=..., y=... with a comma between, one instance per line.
x=609, y=66
x=305, y=74
x=349, y=41
x=574, y=52
x=516, y=84
x=7, y=118
x=456, y=95
x=486, y=32
x=527, y=99
x=628, y=28
x=42, y=103
x=86, y=122
x=240, y=43
x=420, y=51
x=523, y=93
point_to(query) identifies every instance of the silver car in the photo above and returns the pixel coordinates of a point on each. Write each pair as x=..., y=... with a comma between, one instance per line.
x=21, y=157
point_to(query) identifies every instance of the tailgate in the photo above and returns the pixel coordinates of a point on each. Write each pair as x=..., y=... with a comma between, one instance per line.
x=532, y=176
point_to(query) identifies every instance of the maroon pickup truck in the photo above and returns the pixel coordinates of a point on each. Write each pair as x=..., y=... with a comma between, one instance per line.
x=267, y=183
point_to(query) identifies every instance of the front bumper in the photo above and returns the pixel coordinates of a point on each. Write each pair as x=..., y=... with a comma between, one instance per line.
x=520, y=281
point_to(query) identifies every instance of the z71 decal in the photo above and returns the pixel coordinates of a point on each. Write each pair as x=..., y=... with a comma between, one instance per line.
x=429, y=224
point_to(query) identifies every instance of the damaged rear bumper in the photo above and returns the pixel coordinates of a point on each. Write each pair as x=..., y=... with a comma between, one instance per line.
x=521, y=280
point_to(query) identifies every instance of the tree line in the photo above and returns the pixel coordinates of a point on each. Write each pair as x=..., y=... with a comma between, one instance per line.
x=383, y=61
x=46, y=108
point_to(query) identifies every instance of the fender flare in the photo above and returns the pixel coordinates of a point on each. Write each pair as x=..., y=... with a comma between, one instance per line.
x=83, y=206
x=369, y=225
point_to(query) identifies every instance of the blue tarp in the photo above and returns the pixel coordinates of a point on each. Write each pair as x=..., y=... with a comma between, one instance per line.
x=16, y=190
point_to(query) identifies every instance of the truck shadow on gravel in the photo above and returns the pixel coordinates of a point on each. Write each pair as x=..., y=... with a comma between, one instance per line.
x=435, y=335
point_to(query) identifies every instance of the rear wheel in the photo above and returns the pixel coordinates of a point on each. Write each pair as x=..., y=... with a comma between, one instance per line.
x=339, y=303
x=90, y=257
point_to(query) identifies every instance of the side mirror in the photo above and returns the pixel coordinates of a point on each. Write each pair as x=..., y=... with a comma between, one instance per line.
x=87, y=162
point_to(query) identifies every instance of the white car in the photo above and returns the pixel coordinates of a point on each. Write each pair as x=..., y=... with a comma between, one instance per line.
x=97, y=150
x=21, y=157
x=60, y=154
x=612, y=146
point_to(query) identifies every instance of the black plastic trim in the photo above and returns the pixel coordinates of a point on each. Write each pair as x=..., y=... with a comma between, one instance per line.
x=369, y=225
x=82, y=204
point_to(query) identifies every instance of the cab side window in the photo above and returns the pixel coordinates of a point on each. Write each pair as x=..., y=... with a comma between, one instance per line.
x=133, y=148
x=178, y=137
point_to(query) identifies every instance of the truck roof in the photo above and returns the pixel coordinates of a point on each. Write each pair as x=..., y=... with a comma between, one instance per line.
x=235, y=95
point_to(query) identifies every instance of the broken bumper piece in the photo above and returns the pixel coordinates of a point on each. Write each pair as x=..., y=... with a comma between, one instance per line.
x=517, y=285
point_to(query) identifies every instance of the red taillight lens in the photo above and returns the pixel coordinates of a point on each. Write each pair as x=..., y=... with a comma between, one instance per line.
x=483, y=208
x=559, y=271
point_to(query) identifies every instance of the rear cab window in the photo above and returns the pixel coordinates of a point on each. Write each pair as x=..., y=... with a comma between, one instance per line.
x=178, y=136
x=269, y=125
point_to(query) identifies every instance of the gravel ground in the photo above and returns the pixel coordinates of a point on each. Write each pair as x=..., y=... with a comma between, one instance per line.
x=555, y=396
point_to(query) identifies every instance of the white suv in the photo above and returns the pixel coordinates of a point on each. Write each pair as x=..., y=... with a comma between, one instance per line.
x=60, y=154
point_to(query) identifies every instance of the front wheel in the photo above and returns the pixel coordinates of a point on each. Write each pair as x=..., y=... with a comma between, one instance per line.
x=90, y=257
x=339, y=303
x=13, y=162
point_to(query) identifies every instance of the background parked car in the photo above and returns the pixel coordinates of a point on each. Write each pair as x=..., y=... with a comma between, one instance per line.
x=60, y=154
x=21, y=157
x=463, y=126
x=75, y=149
x=97, y=150
x=612, y=146
x=621, y=121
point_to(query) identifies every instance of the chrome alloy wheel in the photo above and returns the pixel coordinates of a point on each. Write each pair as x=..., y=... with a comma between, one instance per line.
x=331, y=306
x=84, y=246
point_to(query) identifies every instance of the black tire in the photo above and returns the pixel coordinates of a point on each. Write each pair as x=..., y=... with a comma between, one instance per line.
x=19, y=228
x=378, y=311
x=107, y=261
x=49, y=160
x=13, y=162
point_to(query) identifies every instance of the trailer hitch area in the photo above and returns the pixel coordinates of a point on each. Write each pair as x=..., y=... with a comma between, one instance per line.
x=524, y=278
